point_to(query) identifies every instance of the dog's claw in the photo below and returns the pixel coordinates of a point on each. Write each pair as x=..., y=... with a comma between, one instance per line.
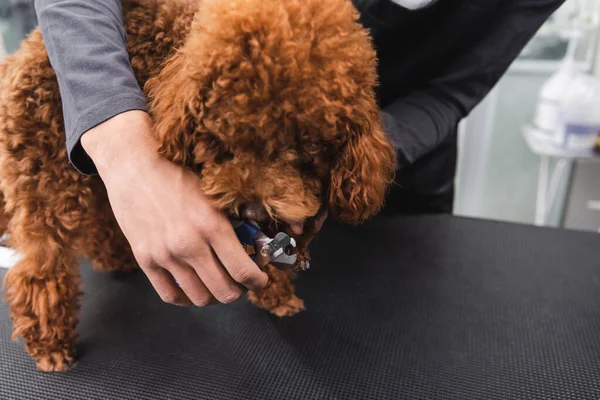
x=304, y=265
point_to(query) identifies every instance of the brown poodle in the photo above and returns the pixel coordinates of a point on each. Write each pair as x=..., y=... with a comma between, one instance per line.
x=266, y=100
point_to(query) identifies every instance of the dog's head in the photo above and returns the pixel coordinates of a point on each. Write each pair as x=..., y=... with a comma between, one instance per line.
x=272, y=102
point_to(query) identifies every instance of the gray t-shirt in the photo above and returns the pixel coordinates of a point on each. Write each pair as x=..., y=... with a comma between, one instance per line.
x=86, y=45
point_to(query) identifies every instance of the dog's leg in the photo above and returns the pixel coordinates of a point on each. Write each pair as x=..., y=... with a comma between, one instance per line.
x=43, y=290
x=4, y=217
x=48, y=203
x=278, y=296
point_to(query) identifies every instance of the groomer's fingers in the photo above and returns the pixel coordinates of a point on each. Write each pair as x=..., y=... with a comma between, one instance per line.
x=165, y=286
x=217, y=280
x=188, y=280
x=235, y=260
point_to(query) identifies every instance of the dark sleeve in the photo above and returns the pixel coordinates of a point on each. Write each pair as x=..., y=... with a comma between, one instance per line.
x=85, y=40
x=420, y=121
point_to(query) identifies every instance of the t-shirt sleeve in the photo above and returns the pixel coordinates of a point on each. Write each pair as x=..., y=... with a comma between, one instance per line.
x=85, y=40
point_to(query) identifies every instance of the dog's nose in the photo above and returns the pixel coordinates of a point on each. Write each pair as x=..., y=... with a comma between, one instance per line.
x=257, y=212
x=254, y=212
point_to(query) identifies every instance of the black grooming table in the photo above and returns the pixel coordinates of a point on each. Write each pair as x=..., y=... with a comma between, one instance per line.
x=409, y=308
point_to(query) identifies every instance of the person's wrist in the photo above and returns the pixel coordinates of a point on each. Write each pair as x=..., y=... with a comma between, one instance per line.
x=120, y=142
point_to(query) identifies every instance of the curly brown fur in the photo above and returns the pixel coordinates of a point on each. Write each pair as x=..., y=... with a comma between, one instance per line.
x=269, y=101
x=278, y=296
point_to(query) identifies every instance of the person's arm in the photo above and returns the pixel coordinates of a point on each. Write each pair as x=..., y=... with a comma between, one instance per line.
x=419, y=122
x=85, y=40
x=187, y=249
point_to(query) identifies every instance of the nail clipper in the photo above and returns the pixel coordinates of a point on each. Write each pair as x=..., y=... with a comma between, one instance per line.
x=263, y=250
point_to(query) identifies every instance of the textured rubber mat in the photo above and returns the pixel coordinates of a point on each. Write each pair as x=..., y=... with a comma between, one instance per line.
x=410, y=308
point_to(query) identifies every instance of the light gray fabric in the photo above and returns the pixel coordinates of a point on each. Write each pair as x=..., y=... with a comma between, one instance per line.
x=85, y=40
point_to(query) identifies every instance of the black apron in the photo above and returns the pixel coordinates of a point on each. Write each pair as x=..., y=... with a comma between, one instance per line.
x=412, y=46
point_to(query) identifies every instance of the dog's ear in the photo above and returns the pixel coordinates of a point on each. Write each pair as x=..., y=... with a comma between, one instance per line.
x=361, y=174
x=177, y=106
x=167, y=93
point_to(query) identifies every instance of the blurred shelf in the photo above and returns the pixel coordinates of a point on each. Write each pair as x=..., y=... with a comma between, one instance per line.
x=543, y=147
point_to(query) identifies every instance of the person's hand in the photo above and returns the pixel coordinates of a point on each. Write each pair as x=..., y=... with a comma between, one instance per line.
x=175, y=234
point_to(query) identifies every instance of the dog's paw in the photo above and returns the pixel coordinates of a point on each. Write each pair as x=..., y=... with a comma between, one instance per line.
x=60, y=361
x=304, y=265
x=291, y=307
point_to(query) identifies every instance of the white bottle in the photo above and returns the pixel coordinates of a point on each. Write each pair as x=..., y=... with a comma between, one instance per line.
x=579, y=123
x=547, y=118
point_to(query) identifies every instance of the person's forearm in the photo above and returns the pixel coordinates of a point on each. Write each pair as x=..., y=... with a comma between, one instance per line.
x=85, y=40
x=417, y=123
